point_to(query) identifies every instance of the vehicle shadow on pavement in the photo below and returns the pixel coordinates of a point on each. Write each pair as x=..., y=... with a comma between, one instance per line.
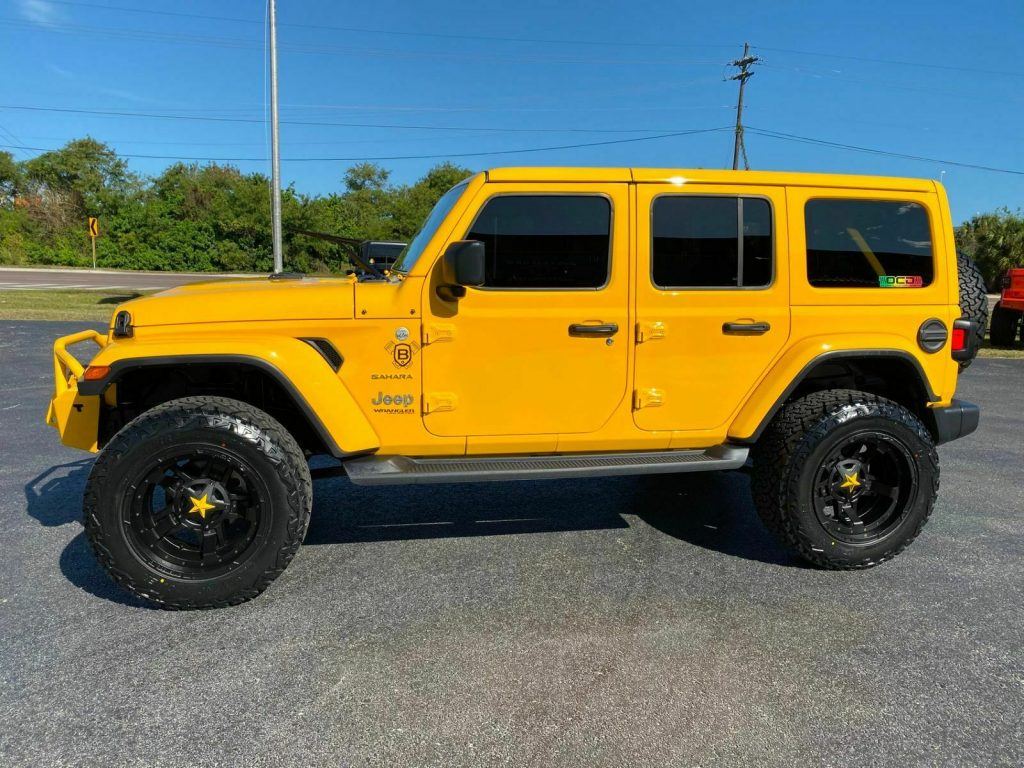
x=708, y=510
x=714, y=511
x=54, y=498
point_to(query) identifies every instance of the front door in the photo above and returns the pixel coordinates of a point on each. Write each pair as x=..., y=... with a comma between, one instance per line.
x=712, y=301
x=542, y=347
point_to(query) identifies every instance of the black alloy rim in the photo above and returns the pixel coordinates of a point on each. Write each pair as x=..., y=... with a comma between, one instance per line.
x=197, y=514
x=864, y=488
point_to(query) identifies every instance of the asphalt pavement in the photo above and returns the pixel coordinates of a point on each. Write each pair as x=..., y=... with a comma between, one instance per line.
x=627, y=621
x=25, y=279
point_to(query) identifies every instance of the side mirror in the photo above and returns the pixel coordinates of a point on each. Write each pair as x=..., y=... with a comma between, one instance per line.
x=463, y=265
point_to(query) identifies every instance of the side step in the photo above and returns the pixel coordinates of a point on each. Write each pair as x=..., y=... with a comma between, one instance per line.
x=390, y=470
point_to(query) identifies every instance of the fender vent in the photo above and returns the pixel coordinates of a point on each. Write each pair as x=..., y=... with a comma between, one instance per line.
x=327, y=352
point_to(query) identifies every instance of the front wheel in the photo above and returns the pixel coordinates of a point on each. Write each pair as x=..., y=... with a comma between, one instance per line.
x=198, y=503
x=846, y=478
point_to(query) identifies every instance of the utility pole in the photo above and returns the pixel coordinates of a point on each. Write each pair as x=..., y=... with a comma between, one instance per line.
x=275, y=148
x=743, y=75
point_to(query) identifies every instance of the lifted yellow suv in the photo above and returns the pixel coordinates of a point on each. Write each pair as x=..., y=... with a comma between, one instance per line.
x=545, y=323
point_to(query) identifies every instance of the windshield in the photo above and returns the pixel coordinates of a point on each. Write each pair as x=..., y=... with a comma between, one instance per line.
x=413, y=250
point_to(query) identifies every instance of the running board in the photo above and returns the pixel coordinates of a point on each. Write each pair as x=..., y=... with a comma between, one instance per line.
x=391, y=470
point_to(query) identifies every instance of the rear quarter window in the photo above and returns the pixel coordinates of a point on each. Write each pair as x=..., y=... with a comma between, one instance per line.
x=868, y=244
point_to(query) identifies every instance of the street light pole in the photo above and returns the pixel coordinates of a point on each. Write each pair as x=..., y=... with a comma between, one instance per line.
x=275, y=149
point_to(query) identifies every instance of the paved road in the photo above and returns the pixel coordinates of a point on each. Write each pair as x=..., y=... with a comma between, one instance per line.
x=101, y=280
x=565, y=623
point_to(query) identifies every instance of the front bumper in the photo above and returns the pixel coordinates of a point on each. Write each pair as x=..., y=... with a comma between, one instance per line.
x=74, y=415
x=958, y=419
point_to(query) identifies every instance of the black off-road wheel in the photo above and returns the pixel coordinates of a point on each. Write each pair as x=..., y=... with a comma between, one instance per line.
x=1005, y=323
x=846, y=478
x=198, y=503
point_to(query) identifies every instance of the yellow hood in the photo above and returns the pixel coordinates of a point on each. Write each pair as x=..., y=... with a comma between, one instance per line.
x=246, y=301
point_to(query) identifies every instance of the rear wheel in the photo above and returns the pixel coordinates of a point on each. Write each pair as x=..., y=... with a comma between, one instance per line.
x=198, y=503
x=1005, y=323
x=846, y=478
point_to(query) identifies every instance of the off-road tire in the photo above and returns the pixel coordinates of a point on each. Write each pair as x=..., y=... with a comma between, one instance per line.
x=1005, y=322
x=231, y=426
x=788, y=455
x=973, y=295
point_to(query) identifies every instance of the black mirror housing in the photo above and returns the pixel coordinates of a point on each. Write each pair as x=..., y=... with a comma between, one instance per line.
x=463, y=263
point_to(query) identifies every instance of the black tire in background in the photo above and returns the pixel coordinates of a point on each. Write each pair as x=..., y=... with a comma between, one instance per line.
x=1005, y=323
x=796, y=452
x=973, y=296
x=260, y=494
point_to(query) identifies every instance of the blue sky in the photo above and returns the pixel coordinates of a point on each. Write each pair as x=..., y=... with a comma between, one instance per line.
x=484, y=75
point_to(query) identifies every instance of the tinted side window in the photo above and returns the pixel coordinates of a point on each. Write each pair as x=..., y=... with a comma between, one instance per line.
x=711, y=242
x=868, y=244
x=545, y=241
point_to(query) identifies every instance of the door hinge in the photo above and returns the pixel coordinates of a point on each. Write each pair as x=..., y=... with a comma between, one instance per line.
x=437, y=402
x=438, y=332
x=647, y=398
x=649, y=331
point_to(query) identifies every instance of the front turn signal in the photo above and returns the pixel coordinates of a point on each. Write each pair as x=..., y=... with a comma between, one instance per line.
x=96, y=372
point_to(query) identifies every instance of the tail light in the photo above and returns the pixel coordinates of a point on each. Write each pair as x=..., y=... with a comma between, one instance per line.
x=959, y=340
x=964, y=340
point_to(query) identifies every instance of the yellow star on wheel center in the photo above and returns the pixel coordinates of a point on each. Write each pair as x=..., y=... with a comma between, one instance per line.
x=850, y=481
x=201, y=505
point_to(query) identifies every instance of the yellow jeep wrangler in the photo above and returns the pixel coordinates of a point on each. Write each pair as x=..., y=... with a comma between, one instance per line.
x=544, y=323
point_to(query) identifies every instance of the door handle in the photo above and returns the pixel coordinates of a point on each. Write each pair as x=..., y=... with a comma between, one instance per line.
x=604, y=329
x=746, y=329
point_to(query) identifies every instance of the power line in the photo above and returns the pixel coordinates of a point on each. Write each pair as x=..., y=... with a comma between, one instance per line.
x=332, y=50
x=403, y=157
x=399, y=126
x=401, y=33
x=752, y=129
x=873, y=151
x=4, y=132
x=1008, y=71
x=887, y=83
x=894, y=62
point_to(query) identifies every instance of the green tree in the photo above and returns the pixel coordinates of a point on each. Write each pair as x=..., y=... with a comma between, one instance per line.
x=88, y=170
x=995, y=241
x=11, y=179
x=195, y=217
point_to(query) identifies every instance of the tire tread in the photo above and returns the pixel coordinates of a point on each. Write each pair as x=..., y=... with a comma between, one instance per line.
x=790, y=436
x=243, y=420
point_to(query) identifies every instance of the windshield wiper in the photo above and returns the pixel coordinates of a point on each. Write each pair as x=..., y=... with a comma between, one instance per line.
x=352, y=244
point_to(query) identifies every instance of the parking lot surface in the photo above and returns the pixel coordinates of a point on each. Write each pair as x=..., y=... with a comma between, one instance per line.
x=627, y=621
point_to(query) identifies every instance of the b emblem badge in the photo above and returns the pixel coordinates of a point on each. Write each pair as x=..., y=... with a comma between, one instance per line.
x=401, y=354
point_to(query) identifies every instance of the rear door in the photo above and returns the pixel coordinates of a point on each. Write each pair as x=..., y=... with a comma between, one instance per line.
x=712, y=300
